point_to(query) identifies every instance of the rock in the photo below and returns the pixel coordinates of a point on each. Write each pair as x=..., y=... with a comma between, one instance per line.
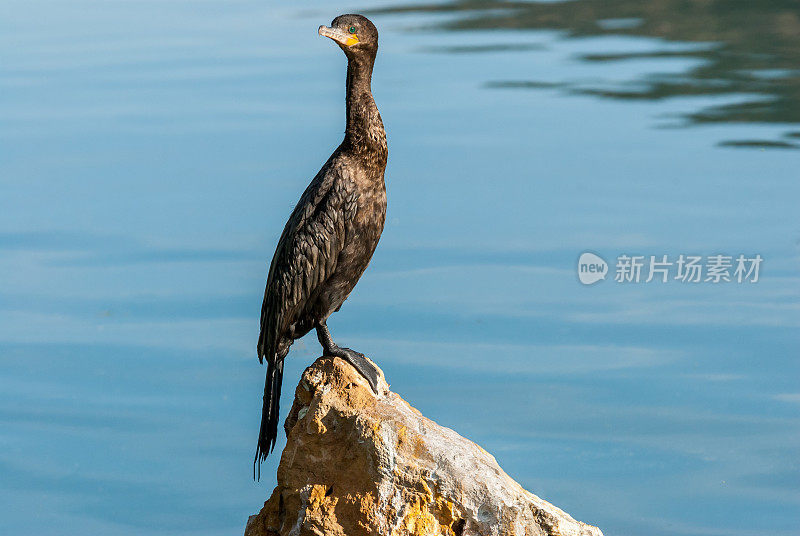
x=358, y=464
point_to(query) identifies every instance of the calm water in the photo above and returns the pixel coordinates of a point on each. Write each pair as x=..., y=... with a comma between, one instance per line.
x=151, y=152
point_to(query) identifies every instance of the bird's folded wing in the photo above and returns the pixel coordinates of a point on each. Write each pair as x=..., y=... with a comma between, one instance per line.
x=306, y=255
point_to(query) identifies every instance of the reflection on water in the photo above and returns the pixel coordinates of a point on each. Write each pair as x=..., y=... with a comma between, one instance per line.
x=752, y=51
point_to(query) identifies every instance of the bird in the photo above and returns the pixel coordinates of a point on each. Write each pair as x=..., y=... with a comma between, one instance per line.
x=331, y=234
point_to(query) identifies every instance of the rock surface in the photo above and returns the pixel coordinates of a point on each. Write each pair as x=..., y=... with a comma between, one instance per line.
x=358, y=464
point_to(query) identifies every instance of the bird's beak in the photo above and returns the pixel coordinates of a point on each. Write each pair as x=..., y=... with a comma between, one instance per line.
x=340, y=36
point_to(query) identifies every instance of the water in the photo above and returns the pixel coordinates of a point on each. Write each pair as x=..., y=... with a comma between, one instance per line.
x=151, y=152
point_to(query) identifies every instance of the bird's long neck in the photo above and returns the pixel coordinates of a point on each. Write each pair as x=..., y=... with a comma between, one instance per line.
x=364, y=132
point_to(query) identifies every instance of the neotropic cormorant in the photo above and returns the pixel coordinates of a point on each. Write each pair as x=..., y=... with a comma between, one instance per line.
x=332, y=232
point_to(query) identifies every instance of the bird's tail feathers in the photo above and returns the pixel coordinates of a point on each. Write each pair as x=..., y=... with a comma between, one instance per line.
x=268, y=433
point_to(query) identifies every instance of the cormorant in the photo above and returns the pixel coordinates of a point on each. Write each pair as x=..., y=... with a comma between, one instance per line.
x=332, y=232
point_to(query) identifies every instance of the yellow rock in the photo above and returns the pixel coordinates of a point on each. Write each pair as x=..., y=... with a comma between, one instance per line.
x=357, y=464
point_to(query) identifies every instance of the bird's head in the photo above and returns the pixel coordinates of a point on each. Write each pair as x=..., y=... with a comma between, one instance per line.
x=355, y=34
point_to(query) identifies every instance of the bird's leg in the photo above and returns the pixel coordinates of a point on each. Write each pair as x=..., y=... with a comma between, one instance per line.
x=359, y=362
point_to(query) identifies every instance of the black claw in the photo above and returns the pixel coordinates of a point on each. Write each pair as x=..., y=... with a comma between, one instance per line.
x=360, y=363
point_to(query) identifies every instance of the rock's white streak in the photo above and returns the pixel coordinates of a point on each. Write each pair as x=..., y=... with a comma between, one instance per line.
x=358, y=464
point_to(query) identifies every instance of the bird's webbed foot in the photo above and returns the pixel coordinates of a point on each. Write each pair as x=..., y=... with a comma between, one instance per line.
x=360, y=363
x=358, y=360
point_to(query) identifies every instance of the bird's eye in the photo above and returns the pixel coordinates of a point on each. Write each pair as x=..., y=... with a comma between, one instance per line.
x=352, y=29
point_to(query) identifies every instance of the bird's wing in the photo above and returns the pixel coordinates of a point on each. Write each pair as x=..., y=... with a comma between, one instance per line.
x=307, y=253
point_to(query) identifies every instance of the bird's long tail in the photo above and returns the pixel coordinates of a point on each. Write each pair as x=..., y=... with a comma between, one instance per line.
x=268, y=433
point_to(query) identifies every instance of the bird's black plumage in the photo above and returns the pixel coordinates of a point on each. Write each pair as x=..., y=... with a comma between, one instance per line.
x=331, y=234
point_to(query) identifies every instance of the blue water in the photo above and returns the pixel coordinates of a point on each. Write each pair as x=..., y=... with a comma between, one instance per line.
x=150, y=153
